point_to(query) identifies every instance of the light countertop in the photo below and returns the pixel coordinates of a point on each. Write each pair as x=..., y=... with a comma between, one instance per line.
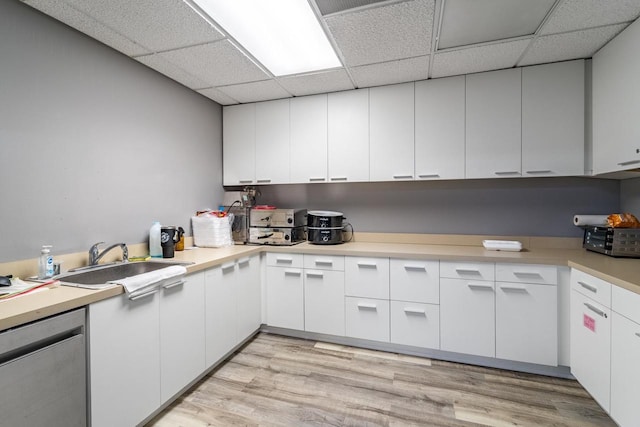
x=621, y=272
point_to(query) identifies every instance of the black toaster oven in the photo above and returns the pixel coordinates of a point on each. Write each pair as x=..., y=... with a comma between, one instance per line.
x=617, y=242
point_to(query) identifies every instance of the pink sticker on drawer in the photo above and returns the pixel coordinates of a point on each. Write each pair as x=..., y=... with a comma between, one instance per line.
x=589, y=322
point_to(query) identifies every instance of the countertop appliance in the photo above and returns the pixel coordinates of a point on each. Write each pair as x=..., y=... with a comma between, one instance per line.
x=240, y=224
x=278, y=217
x=617, y=242
x=281, y=227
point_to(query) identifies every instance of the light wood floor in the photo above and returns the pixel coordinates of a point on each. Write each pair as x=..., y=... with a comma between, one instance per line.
x=281, y=381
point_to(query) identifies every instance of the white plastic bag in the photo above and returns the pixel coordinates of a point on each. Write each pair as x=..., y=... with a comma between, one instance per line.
x=211, y=231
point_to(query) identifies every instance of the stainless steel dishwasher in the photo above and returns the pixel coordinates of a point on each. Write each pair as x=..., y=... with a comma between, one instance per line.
x=43, y=373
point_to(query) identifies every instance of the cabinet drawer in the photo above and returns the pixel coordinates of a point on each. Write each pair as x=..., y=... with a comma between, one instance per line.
x=415, y=324
x=367, y=277
x=416, y=281
x=324, y=262
x=626, y=303
x=367, y=318
x=284, y=260
x=597, y=289
x=527, y=273
x=467, y=270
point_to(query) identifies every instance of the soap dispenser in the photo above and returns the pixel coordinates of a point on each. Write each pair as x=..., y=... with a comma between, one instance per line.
x=45, y=263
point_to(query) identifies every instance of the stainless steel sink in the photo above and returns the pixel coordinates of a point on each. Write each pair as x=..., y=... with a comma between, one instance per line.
x=100, y=275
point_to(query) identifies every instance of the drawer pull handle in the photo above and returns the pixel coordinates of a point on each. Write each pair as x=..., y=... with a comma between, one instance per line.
x=144, y=295
x=479, y=286
x=242, y=261
x=467, y=271
x=292, y=272
x=596, y=310
x=338, y=178
x=264, y=181
x=513, y=289
x=173, y=285
x=505, y=173
x=324, y=262
x=415, y=267
x=588, y=287
x=527, y=273
x=228, y=265
x=629, y=162
x=365, y=306
x=367, y=264
x=317, y=179
x=245, y=181
x=539, y=171
x=315, y=274
x=284, y=260
x=429, y=175
x=402, y=176
x=415, y=311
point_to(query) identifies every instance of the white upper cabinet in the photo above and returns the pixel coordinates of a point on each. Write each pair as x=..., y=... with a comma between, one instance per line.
x=348, y=154
x=616, y=103
x=309, y=139
x=439, y=127
x=238, y=144
x=493, y=124
x=553, y=119
x=272, y=142
x=391, y=132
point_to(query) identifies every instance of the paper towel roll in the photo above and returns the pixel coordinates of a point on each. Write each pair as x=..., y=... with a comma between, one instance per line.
x=590, y=220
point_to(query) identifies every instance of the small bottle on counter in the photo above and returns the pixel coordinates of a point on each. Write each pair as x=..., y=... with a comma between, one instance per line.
x=45, y=263
x=155, y=248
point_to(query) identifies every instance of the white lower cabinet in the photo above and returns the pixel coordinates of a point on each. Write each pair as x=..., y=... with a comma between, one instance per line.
x=124, y=360
x=591, y=346
x=249, y=296
x=324, y=302
x=366, y=277
x=527, y=322
x=467, y=316
x=367, y=318
x=285, y=298
x=182, y=333
x=221, y=311
x=415, y=324
x=415, y=280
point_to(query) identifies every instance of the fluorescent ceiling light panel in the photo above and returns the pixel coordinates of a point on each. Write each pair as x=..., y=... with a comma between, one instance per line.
x=284, y=35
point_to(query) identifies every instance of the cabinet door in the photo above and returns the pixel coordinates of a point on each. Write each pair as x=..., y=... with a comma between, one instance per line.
x=367, y=318
x=272, y=142
x=414, y=280
x=182, y=335
x=249, y=295
x=591, y=346
x=493, y=124
x=616, y=104
x=391, y=115
x=467, y=317
x=527, y=323
x=124, y=351
x=309, y=149
x=348, y=133
x=285, y=298
x=324, y=302
x=221, y=316
x=440, y=124
x=239, y=144
x=367, y=277
x=625, y=370
x=553, y=119
x=415, y=324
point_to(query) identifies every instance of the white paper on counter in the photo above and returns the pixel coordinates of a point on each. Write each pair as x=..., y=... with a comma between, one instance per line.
x=590, y=220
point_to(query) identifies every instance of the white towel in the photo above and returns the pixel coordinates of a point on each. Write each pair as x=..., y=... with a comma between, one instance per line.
x=146, y=282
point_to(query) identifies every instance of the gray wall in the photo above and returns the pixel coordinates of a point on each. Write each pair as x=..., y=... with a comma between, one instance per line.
x=93, y=145
x=630, y=196
x=527, y=206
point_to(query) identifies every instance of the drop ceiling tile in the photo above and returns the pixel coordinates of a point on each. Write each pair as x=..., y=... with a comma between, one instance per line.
x=156, y=24
x=477, y=59
x=322, y=82
x=404, y=70
x=256, y=91
x=580, y=14
x=467, y=22
x=218, y=64
x=216, y=95
x=327, y=7
x=565, y=46
x=80, y=21
x=170, y=70
x=395, y=31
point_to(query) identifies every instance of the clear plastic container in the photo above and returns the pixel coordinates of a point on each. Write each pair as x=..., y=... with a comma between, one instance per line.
x=155, y=248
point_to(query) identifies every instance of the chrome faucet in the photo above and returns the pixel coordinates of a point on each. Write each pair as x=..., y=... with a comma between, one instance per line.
x=94, y=255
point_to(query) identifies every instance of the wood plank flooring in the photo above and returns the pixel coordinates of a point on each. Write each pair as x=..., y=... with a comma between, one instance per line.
x=281, y=381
